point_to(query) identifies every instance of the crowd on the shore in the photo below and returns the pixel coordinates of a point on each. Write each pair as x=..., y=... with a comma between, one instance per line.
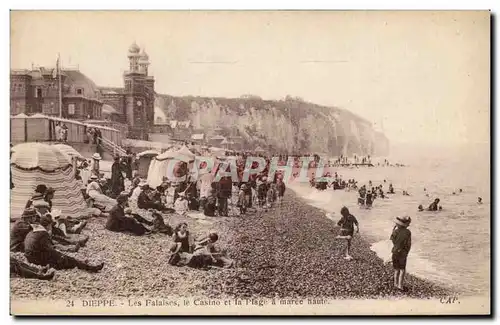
x=130, y=205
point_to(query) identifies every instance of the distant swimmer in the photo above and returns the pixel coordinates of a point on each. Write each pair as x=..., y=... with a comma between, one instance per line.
x=453, y=193
x=434, y=205
x=460, y=190
x=391, y=189
x=420, y=208
x=479, y=200
x=425, y=190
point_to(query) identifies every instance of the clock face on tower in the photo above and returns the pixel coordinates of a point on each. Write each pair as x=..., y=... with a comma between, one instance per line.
x=139, y=103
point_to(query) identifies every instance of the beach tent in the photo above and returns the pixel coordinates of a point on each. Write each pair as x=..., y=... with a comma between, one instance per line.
x=158, y=167
x=69, y=151
x=37, y=163
x=259, y=149
x=17, y=127
x=144, y=158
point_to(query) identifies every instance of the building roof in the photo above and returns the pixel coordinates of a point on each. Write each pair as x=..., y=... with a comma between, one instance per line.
x=108, y=110
x=111, y=90
x=75, y=79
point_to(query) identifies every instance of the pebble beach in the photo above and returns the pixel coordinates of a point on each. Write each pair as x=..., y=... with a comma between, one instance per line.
x=288, y=251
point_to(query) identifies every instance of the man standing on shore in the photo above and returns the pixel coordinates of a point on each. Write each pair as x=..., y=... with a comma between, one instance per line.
x=347, y=223
x=401, y=239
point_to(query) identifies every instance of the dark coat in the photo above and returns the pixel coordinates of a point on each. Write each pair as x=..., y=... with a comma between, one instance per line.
x=115, y=218
x=18, y=234
x=38, y=247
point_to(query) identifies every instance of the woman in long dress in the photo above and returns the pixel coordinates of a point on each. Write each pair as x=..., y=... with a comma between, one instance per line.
x=95, y=192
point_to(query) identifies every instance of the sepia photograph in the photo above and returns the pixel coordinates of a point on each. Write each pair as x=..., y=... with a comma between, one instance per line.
x=250, y=162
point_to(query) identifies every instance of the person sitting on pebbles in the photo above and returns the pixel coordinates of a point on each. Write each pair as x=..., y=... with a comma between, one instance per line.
x=347, y=223
x=204, y=255
x=181, y=235
x=118, y=221
x=181, y=205
x=38, y=249
x=401, y=240
x=21, y=229
x=206, y=247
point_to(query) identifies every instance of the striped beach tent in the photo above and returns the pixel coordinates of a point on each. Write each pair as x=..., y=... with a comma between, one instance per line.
x=37, y=163
x=69, y=151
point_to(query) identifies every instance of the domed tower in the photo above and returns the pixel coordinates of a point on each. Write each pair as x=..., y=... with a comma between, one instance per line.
x=139, y=94
x=143, y=62
x=133, y=57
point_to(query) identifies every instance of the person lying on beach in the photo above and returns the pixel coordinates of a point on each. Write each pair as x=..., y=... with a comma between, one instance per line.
x=347, y=223
x=39, y=250
x=434, y=205
x=401, y=240
x=25, y=270
x=95, y=192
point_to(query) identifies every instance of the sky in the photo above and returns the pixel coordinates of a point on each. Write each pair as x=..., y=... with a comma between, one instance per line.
x=424, y=76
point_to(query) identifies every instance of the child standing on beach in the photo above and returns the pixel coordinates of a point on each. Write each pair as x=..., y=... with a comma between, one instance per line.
x=347, y=223
x=401, y=240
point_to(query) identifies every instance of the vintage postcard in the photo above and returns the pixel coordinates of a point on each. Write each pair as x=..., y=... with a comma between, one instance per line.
x=250, y=163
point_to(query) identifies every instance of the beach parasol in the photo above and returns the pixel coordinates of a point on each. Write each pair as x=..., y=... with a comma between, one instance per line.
x=37, y=163
x=33, y=155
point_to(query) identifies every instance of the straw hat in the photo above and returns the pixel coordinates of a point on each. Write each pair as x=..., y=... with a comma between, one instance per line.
x=37, y=196
x=96, y=156
x=403, y=221
x=56, y=213
x=40, y=204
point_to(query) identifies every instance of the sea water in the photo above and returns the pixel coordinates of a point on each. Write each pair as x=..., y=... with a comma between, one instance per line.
x=449, y=247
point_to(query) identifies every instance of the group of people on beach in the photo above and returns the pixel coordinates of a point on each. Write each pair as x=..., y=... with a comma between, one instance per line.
x=44, y=235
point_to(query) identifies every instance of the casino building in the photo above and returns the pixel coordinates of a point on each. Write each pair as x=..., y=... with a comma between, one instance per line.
x=130, y=108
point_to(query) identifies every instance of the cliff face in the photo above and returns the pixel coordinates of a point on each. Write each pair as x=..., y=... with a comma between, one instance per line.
x=290, y=125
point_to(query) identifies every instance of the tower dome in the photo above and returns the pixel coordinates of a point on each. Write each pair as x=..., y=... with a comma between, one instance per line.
x=134, y=48
x=144, y=56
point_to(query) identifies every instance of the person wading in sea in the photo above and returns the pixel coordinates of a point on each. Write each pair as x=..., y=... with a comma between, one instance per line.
x=347, y=223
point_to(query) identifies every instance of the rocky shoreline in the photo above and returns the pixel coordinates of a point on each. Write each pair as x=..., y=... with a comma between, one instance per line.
x=286, y=252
